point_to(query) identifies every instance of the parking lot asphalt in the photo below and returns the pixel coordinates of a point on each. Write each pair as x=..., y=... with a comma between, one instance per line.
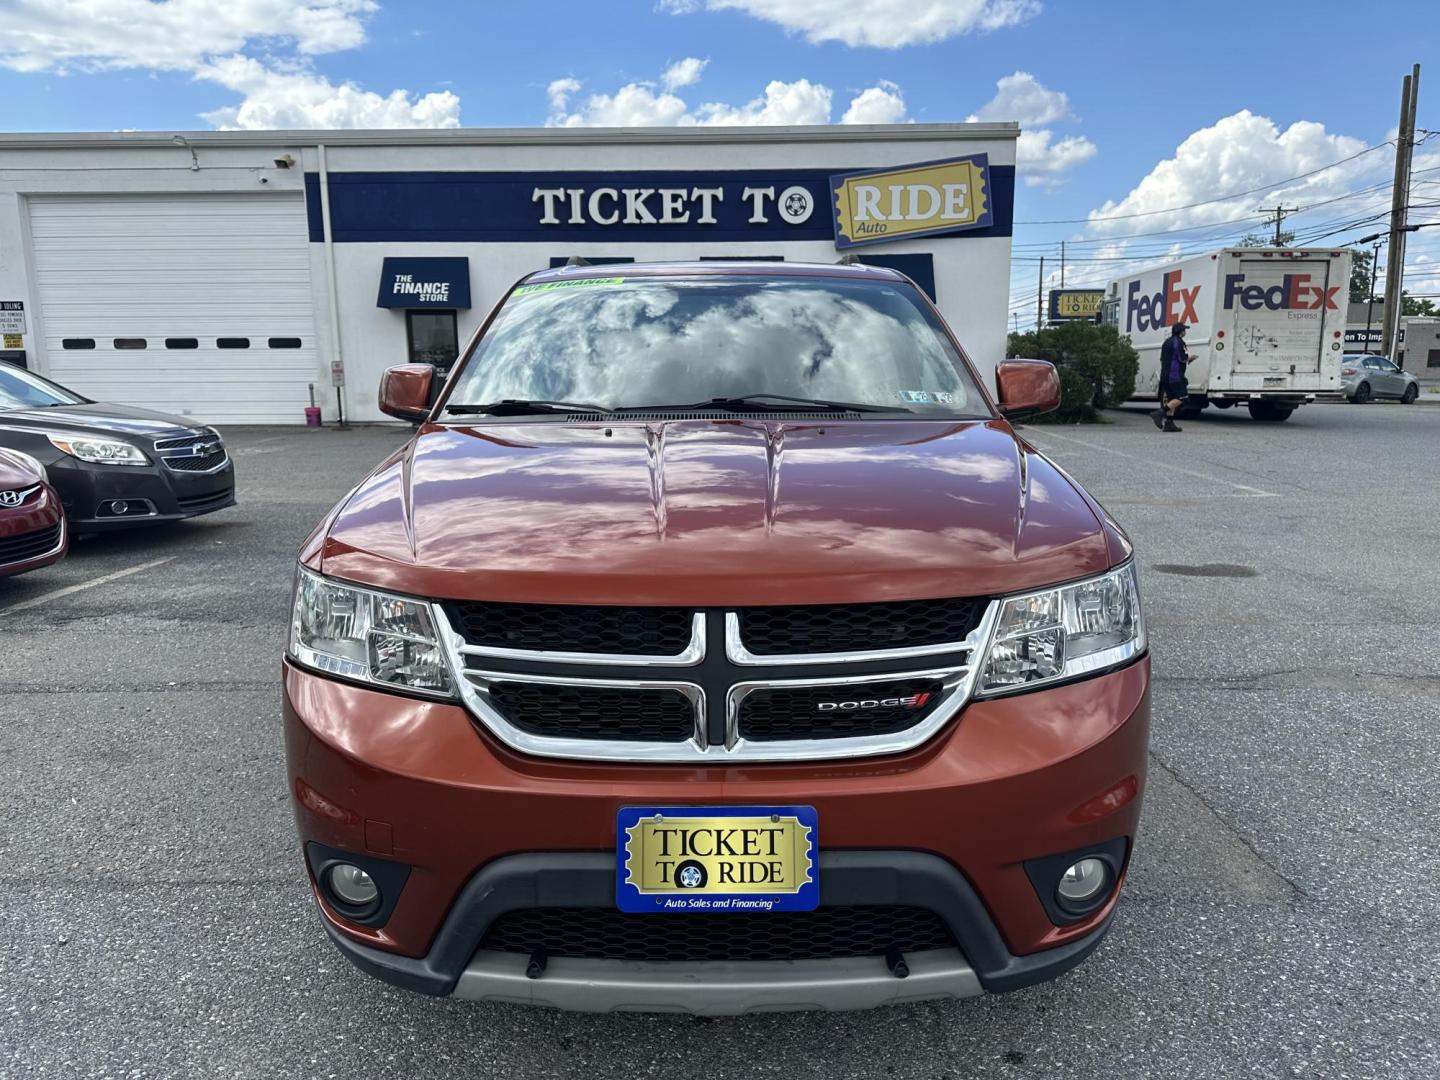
x=1282, y=917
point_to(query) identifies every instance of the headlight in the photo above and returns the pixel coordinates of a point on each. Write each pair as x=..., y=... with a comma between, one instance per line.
x=1065, y=632
x=366, y=635
x=100, y=451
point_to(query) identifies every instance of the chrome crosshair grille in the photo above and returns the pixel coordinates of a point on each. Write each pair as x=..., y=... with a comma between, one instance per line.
x=679, y=685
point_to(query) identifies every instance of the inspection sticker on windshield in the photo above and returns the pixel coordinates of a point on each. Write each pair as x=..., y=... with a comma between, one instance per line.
x=716, y=858
x=546, y=286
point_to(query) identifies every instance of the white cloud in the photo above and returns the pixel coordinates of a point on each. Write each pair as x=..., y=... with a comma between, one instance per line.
x=799, y=102
x=302, y=99
x=651, y=104
x=886, y=24
x=1023, y=98
x=683, y=73
x=59, y=35
x=882, y=104
x=1237, y=153
x=1040, y=158
x=207, y=39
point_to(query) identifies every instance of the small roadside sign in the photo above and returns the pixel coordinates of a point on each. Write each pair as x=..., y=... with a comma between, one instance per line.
x=337, y=372
x=12, y=318
x=12, y=341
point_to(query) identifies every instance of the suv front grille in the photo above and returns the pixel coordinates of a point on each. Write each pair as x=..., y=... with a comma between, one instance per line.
x=672, y=684
x=837, y=712
x=772, y=631
x=618, y=631
x=639, y=714
x=827, y=933
x=31, y=545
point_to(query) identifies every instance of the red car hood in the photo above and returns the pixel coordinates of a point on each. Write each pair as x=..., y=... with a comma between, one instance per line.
x=710, y=513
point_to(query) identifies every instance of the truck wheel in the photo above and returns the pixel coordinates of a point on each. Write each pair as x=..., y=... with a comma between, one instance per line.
x=1362, y=394
x=1269, y=411
x=1411, y=393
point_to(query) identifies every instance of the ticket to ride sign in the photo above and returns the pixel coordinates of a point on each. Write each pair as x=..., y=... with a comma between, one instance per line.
x=1069, y=305
x=927, y=199
x=716, y=858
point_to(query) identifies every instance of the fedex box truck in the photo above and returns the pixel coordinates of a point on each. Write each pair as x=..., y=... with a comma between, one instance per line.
x=1266, y=326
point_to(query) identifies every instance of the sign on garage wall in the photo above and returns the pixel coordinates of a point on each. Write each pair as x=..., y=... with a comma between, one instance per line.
x=664, y=206
x=930, y=199
x=12, y=318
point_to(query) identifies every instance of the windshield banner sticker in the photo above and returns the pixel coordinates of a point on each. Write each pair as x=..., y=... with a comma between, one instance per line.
x=546, y=286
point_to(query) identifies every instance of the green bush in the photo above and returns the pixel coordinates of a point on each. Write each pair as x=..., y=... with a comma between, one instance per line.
x=1097, y=367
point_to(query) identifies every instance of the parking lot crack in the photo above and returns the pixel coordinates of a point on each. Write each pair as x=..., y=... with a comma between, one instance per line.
x=1295, y=887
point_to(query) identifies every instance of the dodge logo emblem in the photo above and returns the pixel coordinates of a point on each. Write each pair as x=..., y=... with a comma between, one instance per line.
x=910, y=701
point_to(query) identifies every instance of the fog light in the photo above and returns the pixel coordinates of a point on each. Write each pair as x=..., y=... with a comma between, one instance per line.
x=120, y=507
x=1083, y=882
x=353, y=886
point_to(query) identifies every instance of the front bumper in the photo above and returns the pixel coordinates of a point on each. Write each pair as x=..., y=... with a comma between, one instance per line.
x=948, y=827
x=173, y=496
x=457, y=965
x=38, y=515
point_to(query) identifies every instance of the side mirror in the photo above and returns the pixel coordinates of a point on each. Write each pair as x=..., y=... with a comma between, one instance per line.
x=1027, y=387
x=405, y=391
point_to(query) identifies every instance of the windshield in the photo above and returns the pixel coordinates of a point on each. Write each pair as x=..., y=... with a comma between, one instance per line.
x=653, y=342
x=19, y=389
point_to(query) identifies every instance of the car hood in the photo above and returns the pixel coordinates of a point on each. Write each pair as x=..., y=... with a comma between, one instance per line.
x=16, y=471
x=101, y=417
x=710, y=513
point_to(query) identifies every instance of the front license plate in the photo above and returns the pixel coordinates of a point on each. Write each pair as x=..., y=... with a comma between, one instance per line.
x=717, y=858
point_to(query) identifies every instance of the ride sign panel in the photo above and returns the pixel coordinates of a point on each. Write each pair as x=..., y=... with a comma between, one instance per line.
x=928, y=199
x=716, y=858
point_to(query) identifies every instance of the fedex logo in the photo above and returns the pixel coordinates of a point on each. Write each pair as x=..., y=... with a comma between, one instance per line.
x=1293, y=292
x=1170, y=305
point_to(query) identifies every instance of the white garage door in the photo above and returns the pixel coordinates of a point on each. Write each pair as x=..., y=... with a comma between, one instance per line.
x=192, y=304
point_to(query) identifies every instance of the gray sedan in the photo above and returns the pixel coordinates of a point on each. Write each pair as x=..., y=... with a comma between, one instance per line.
x=1368, y=377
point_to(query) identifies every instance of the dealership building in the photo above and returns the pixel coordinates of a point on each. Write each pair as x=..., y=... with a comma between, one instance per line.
x=230, y=276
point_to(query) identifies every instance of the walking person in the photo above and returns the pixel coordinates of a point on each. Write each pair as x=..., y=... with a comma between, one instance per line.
x=1174, y=389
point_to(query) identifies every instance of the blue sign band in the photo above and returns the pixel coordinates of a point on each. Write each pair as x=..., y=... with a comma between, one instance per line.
x=502, y=207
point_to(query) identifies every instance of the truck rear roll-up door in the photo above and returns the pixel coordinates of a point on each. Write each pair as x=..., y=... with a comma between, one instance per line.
x=1276, y=311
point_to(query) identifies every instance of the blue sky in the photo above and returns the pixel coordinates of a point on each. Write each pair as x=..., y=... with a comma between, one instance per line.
x=1253, y=93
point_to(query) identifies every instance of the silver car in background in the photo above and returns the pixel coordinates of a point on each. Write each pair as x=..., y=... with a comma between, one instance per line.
x=1367, y=377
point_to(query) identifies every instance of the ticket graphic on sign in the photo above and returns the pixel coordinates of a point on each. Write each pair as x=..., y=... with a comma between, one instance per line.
x=917, y=200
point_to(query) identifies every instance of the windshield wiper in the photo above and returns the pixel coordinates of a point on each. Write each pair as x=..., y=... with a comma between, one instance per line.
x=773, y=403
x=521, y=406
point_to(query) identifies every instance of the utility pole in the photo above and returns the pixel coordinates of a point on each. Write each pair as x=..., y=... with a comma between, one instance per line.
x=1281, y=213
x=1399, y=204
x=1040, y=295
x=1062, y=264
x=1370, y=306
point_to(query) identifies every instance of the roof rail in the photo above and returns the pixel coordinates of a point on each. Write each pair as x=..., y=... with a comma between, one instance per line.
x=578, y=260
x=849, y=259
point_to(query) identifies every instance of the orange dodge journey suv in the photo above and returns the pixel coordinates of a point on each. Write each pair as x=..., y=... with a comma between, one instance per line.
x=716, y=645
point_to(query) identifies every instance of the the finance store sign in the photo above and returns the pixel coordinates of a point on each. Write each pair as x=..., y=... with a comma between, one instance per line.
x=956, y=197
